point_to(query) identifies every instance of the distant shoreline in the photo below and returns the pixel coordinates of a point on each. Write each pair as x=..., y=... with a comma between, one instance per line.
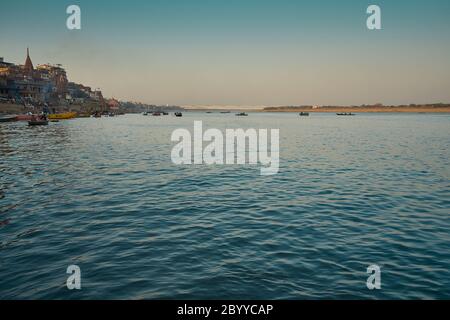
x=444, y=108
x=364, y=109
x=343, y=110
x=332, y=110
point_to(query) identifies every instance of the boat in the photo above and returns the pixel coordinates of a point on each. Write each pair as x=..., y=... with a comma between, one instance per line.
x=304, y=114
x=62, y=116
x=242, y=114
x=165, y=113
x=225, y=112
x=156, y=114
x=38, y=123
x=8, y=119
x=345, y=114
x=178, y=114
x=54, y=120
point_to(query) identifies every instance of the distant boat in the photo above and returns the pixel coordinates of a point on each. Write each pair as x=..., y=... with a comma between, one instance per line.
x=165, y=113
x=225, y=112
x=156, y=114
x=304, y=114
x=62, y=116
x=8, y=119
x=38, y=123
x=242, y=114
x=178, y=114
x=208, y=111
x=345, y=114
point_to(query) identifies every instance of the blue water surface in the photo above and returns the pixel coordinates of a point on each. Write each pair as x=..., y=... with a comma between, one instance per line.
x=104, y=194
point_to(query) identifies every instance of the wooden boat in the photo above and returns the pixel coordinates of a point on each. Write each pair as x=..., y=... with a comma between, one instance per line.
x=62, y=116
x=242, y=114
x=304, y=114
x=8, y=119
x=345, y=114
x=178, y=114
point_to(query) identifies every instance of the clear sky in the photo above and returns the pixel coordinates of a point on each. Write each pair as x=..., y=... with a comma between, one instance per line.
x=240, y=52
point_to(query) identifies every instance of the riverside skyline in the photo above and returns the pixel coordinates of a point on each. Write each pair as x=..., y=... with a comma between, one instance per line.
x=263, y=53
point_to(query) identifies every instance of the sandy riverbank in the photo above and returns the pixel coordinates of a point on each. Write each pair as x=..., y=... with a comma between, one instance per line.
x=419, y=109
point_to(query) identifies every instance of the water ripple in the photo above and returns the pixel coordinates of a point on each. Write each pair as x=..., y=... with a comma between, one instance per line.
x=103, y=194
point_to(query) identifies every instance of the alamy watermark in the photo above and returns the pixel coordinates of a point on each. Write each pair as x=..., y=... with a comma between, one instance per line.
x=73, y=22
x=373, y=22
x=374, y=280
x=236, y=146
x=74, y=280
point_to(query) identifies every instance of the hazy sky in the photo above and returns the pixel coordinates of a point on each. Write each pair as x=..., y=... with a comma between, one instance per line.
x=240, y=52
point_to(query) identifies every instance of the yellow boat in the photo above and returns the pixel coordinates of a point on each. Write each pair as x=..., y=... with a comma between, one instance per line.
x=62, y=116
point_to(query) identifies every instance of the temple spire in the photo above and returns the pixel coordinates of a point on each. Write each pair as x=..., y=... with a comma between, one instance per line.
x=28, y=64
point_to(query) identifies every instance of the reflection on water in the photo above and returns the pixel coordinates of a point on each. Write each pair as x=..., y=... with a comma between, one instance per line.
x=103, y=194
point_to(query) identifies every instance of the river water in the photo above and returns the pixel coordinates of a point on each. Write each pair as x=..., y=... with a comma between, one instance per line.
x=104, y=194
